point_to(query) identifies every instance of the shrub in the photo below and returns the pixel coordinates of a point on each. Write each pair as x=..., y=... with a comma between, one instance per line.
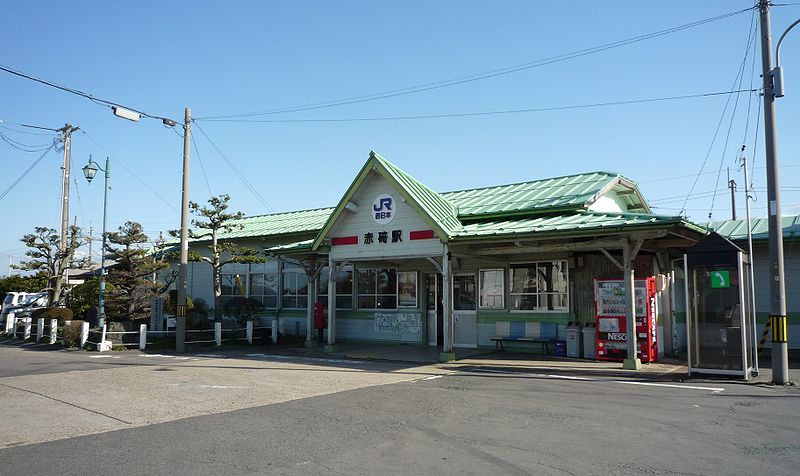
x=241, y=309
x=72, y=333
x=60, y=313
x=171, y=303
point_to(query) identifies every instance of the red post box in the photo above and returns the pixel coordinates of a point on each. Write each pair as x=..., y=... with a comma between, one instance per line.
x=319, y=317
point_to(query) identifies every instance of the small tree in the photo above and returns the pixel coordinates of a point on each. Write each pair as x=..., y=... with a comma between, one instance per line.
x=131, y=276
x=216, y=220
x=84, y=296
x=48, y=258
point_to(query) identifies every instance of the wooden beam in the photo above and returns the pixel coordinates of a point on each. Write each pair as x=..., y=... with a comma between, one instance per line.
x=613, y=260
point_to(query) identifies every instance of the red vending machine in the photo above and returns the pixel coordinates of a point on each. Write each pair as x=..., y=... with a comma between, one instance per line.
x=610, y=326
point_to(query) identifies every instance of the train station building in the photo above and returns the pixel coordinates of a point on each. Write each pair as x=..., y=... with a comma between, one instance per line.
x=397, y=262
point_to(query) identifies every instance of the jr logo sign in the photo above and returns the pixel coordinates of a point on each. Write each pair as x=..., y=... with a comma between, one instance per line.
x=383, y=209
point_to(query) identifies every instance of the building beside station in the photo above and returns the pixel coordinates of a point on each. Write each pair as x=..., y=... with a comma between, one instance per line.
x=411, y=265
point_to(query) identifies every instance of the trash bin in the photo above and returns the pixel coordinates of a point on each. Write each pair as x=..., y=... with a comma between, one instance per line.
x=574, y=340
x=560, y=349
x=588, y=341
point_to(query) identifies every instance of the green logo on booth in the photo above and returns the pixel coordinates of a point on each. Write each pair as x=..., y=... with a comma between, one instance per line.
x=720, y=279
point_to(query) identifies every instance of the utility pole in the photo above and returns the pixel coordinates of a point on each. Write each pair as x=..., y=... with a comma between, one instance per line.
x=732, y=186
x=777, y=304
x=58, y=283
x=751, y=264
x=180, y=321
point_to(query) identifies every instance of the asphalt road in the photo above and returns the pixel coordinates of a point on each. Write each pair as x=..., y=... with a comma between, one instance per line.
x=397, y=419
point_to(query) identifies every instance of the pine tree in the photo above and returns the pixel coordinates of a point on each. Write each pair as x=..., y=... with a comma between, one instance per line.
x=217, y=220
x=132, y=273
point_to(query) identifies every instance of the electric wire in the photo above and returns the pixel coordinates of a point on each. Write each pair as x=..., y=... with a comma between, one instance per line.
x=490, y=113
x=478, y=76
x=20, y=131
x=132, y=174
x=25, y=173
x=23, y=147
x=202, y=167
x=750, y=42
x=94, y=99
x=236, y=171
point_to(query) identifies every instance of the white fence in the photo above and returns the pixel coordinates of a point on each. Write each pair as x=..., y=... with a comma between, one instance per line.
x=24, y=328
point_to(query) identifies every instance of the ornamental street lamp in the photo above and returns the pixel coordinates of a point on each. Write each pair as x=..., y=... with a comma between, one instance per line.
x=89, y=171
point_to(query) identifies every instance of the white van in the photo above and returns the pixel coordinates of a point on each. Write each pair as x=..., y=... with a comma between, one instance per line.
x=30, y=303
x=13, y=298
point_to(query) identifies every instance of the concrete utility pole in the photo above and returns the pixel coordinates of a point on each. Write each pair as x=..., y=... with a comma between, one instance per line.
x=180, y=321
x=58, y=284
x=777, y=305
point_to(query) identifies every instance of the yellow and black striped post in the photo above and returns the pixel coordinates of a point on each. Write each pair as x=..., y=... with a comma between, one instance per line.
x=763, y=340
x=779, y=329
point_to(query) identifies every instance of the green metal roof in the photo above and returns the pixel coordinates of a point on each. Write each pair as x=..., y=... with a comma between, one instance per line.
x=570, y=192
x=588, y=222
x=434, y=204
x=736, y=230
x=288, y=223
x=542, y=207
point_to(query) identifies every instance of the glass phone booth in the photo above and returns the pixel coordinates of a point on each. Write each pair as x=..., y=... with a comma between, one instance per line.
x=718, y=308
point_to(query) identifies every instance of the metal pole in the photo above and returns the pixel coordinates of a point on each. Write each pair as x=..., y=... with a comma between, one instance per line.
x=752, y=290
x=101, y=295
x=780, y=362
x=180, y=321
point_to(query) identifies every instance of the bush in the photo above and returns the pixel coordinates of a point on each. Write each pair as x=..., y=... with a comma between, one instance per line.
x=60, y=313
x=72, y=333
x=171, y=303
x=197, y=316
x=241, y=309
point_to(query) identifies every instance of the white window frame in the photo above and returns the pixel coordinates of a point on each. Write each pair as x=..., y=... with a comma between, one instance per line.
x=416, y=289
x=537, y=262
x=353, y=295
x=374, y=294
x=453, y=294
x=502, y=288
x=295, y=270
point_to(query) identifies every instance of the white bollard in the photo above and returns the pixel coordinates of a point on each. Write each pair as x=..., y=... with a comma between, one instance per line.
x=39, y=329
x=84, y=333
x=104, y=345
x=53, y=331
x=275, y=331
x=249, y=332
x=142, y=336
x=27, y=334
x=14, y=324
x=10, y=323
x=218, y=333
x=103, y=334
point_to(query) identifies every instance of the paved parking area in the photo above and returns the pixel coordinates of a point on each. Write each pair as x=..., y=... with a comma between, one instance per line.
x=85, y=393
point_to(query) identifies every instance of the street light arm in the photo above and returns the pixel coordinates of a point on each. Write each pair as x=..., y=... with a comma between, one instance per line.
x=778, y=47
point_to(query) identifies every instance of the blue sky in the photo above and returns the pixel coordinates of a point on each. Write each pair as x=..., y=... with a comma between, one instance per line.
x=223, y=58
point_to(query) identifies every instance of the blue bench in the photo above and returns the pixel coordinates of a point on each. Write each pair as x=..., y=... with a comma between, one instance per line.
x=543, y=333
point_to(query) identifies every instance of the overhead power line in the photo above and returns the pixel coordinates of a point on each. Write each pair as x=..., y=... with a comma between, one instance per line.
x=236, y=170
x=145, y=184
x=491, y=113
x=480, y=76
x=24, y=174
x=94, y=99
